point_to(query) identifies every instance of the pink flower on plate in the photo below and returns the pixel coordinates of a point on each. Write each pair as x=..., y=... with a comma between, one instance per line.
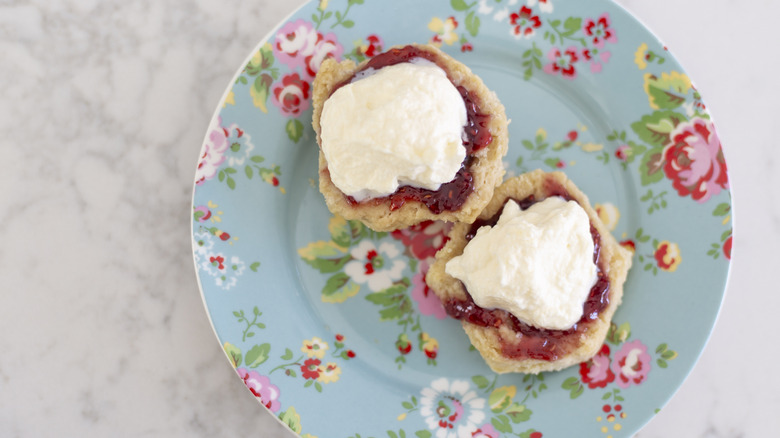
x=294, y=42
x=596, y=58
x=622, y=151
x=563, y=62
x=596, y=372
x=201, y=213
x=213, y=153
x=426, y=299
x=291, y=95
x=631, y=364
x=261, y=387
x=424, y=239
x=486, y=431
x=600, y=31
x=327, y=46
x=694, y=160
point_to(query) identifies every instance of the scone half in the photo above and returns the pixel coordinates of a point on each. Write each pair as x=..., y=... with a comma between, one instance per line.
x=392, y=212
x=506, y=344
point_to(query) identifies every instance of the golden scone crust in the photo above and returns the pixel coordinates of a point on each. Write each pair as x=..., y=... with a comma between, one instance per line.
x=615, y=259
x=487, y=169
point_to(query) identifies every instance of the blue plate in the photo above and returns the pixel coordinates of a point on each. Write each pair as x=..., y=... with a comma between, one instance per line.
x=331, y=325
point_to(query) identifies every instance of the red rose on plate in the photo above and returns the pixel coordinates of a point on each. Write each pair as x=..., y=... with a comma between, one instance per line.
x=327, y=46
x=291, y=95
x=727, y=248
x=596, y=372
x=694, y=160
x=631, y=364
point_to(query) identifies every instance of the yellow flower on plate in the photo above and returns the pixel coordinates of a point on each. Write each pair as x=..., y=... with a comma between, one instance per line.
x=667, y=255
x=640, y=57
x=444, y=29
x=315, y=347
x=257, y=59
x=609, y=214
x=429, y=345
x=591, y=147
x=233, y=353
x=329, y=372
x=501, y=397
x=323, y=5
x=229, y=99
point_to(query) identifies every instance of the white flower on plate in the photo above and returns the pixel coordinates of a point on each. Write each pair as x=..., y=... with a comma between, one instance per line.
x=213, y=263
x=452, y=410
x=225, y=270
x=226, y=282
x=487, y=7
x=204, y=242
x=544, y=5
x=239, y=145
x=689, y=111
x=376, y=266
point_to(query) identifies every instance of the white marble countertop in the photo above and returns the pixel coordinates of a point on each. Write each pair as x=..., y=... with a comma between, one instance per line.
x=103, y=106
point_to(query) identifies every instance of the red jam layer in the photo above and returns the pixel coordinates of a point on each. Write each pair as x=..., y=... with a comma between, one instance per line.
x=451, y=195
x=533, y=342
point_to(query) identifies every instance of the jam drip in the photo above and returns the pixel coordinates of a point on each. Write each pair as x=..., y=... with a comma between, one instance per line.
x=529, y=341
x=452, y=195
x=477, y=133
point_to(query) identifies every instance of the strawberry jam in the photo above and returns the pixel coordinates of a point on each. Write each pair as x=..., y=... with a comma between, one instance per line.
x=529, y=341
x=450, y=196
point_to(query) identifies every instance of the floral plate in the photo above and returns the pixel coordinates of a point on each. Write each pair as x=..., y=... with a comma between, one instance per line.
x=331, y=325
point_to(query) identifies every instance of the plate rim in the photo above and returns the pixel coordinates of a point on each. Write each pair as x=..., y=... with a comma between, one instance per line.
x=643, y=27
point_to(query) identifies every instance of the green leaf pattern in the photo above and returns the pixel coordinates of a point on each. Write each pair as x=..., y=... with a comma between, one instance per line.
x=357, y=258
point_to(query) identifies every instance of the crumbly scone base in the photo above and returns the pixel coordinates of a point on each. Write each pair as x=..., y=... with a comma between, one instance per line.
x=487, y=169
x=616, y=262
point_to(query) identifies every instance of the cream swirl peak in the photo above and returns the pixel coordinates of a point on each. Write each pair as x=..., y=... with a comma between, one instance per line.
x=395, y=126
x=536, y=264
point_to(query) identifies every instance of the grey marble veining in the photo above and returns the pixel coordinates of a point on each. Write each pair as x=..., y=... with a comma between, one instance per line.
x=103, y=106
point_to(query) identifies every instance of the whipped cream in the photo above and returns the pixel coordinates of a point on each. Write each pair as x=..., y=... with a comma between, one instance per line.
x=398, y=125
x=536, y=263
